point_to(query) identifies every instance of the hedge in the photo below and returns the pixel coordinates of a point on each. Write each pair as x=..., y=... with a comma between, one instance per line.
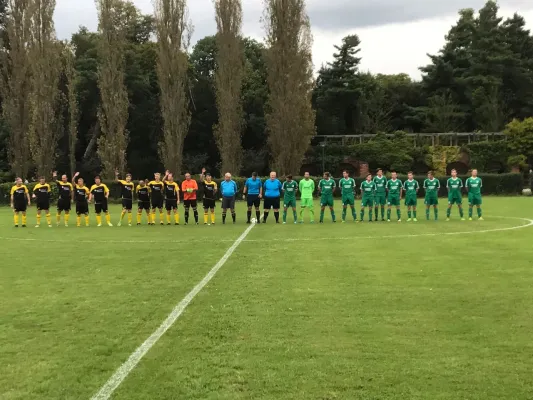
x=493, y=184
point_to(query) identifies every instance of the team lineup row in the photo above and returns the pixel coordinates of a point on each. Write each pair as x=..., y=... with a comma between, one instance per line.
x=164, y=193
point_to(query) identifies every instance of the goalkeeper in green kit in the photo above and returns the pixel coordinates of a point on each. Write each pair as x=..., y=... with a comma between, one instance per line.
x=410, y=186
x=473, y=185
x=326, y=187
x=381, y=194
x=289, y=188
x=368, y=189
x=347, y=186
x=307, y=188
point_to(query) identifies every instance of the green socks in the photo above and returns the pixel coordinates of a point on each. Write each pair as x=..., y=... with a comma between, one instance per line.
x=479, y=212
x=470, y=212
x=408, y=213
x=427, y=214
x=398, y=213
x=388, y=213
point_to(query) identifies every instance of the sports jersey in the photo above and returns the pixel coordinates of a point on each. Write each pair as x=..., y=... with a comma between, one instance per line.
x=454, y=186
x=253, y=186
x=327, y=186
x=394, y=186
x=410, y=187
x=432, y=187
x=307, y=188
x=81, y=193
x=210, y=189
x=42, y=192
x=171, y=190
x=99, y=192
x=272, y=188
x=347, y=186
x=474, y=185
x=381, y=184
x=127, y=189
x=228, y=188
x=289, y=190
x=368, y=188
x=65, y=190
x=156, y=190
x=187, y=185
x=143, y=193
x=19, y=194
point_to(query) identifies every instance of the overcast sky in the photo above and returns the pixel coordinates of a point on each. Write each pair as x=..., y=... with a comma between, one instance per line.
x=396, y=35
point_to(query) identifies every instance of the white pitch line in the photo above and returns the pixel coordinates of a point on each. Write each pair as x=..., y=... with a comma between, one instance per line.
x=123, y=371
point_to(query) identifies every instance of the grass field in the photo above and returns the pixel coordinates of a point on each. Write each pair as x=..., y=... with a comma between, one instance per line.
x=427, y=310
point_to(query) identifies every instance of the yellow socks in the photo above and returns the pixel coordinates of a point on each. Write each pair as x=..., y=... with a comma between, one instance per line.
x=16, y=219
x=206, y=217
x=122, y=215
x=48, y=219
x=139, y=216
x=161, y=216
x=38, y=219
x=86, y=220
x=58, y=218
x=153, y=217
x=107, y=218
x=212, y=217
x=23, y=219
x=129, y=217
x=177, y=218
x=78, y=220
x=98, y=219
x=168, y=218
x=67, y=217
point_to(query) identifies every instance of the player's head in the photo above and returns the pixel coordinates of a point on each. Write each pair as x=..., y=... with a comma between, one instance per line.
x=128, y=177
x=254, y=175
x=170, y=177
x=188, y=176
x=64, y=178
x=208, y=177
x=379, y=172
x=345, y=174
x=289, y=178
x=42, y=180
x=227, y=176
x=80, y=182
x=157, y=176
x=474, y=173
x=430, y=174
x=410, y=175
x=142, y=183
x=326, y=175
x=394, y=175
x=306, y=175
x=18, y=181
x=97, y=180
x=368, y=177
x=454, y=173
x=273, y=175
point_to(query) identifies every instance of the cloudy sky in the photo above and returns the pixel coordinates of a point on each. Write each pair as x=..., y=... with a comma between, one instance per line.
x=396, y=35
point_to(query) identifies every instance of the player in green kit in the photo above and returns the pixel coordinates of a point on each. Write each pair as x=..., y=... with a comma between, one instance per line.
x=394, y=187
x=368, y=188
x=432, y=186
x=289, y=188
x=326, y=188
x=474, y=185
x=307, y=188
x=410, y=186
x=380, y=197
x=347, y=186
x=454, y=185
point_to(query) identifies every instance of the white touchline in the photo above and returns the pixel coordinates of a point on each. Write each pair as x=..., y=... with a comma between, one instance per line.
x=123, y=371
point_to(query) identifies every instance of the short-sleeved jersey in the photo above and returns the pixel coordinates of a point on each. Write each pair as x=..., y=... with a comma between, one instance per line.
x=99, y=192
x=81, y=193
x=42, y=192
x=394, y=186
x=411, y=187
x=307, y=188
x=210, y=189
x=65, y=190
x=171, y=190
x=143, y=193
x=191, y=184
x=432, y=187
x=19, y=193
x=156, y=189
x=347, y=186
x=368, y=188
x=454, y=185
x=327, y=186
x=127, y=189
x=289, y=190
x=253, y=186
x=381, y=184
x=474, y=185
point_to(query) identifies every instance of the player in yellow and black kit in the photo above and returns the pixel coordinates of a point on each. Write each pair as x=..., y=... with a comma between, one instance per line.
x=143, y=195
x=127, y=197
x=100, y=193
x=20, y=200
x=66, y=192
x=157, y=189
x=42, y=192
x=81, y=193
x=172, y=198
x=210, y=189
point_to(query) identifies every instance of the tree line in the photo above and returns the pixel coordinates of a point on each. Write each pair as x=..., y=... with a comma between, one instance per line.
x=134, y=95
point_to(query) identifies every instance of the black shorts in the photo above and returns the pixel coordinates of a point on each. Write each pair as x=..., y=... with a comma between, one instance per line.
x=228, y=202
x=127, y=204
x=271, y=202
x=209, y=203
x=157, y=203
x=171, y=204
x=43, y=205
x=253, y=200
x=101, y=207
x=190, y=203
x=20, y=206
x=143, y=205
x=82, y=208
x=63, y=205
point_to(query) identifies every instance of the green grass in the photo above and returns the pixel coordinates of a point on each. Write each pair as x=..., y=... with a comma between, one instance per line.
x=333, y=311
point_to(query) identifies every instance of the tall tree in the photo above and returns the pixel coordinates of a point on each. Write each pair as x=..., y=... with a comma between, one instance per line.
x=228, y=83
x=45, y=97
x=71, y=76
x=15, y=84
x=174, y=31
x=113, y=111
x=290, y=116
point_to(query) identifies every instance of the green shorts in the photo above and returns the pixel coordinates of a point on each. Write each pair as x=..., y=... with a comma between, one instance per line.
x=474, y=199
x=348, y=200
x=306, y=203
x=326, y=201
x=457, y=199
x=393, y=201
x=431, y=201
x=411, y=201
x=380, y=199
x=367, y=202
x=289, y=203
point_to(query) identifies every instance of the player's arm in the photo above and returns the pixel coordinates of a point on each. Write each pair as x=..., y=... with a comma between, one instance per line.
x=27, y=192
x=91, y=194
x=35, y=188
x=260, y=190
x=417, y=187
x=167, y=172
x=106, y=191
x=177, y=188
x=12, y=197
x=245, y=189
x=74, y=178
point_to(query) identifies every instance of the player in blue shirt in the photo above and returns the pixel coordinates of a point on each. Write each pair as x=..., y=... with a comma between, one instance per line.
x=272, y=189
x=228, y=189
x=252, y=193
